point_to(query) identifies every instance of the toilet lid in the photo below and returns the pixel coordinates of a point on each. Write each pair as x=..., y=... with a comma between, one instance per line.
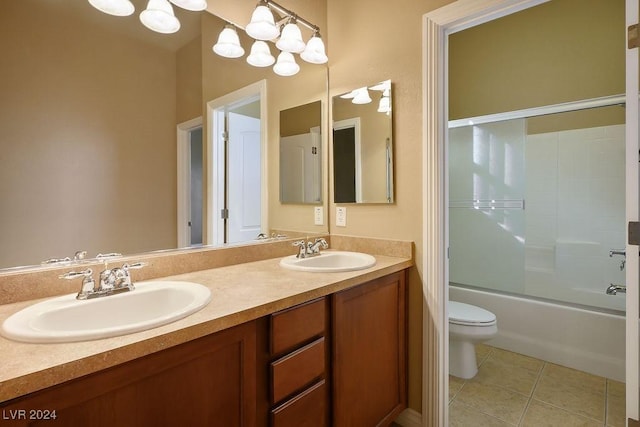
x=467, y=314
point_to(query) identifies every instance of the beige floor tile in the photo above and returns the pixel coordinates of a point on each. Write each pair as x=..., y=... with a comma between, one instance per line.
x=540, y=414
x=514, y=378
x=455, y=384
x=572, y=390
x=464, y=416
x=517, y=360
x=616, y=403
x=616, y=388
x=482, y=351
x=493, y=400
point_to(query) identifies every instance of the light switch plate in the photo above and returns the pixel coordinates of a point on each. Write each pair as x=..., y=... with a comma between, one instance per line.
x=318, y=215
x=341, y=216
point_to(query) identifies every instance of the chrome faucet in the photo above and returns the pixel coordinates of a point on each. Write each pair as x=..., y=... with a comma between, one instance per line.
x=622, y=252
x=78, y=256
x=112, y=281
x=308, y=248
x=614, y=289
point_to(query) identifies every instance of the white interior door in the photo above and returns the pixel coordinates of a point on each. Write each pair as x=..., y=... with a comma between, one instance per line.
x=300, y=168
x=632, y=187
x=243, y=184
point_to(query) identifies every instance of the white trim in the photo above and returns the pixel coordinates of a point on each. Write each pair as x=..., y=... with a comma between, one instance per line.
x=184, y=179
x=215, y=169
x=409, y=418
x=605, y=101
x=437, y=25
x=355, y=124
x=632, y=112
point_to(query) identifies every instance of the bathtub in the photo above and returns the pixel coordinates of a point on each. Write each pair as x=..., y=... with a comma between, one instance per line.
x=575, y=337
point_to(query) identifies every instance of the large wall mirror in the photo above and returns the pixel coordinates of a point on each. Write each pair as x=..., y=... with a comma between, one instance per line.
x=88, y=120
x=301, y=154
x=363, y=145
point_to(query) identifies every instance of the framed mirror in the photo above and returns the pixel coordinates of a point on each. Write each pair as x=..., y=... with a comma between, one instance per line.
x=88, y=119
x=301, y=154
x=363, y=145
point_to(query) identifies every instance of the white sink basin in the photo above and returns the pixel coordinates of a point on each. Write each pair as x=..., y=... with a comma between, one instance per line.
x=66, y=319
x=330, y=262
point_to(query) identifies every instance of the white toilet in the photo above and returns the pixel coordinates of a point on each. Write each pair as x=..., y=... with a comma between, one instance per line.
x=468, y=325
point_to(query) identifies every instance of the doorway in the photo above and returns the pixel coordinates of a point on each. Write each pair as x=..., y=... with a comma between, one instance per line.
x=236, y=141
x=190, y=196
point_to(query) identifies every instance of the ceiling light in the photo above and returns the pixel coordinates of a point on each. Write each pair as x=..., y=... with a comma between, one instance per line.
x=385, y=105
x=291, y=39
x=314, y=52
x=228, y=44
x=262, y=25
x=114, y=7
x=193, y=5
x=362, y=96
x=286, y=65
x=260, y=55
x=159, y=17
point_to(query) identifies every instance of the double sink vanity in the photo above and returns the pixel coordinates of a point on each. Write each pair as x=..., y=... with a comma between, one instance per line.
x=235, y=338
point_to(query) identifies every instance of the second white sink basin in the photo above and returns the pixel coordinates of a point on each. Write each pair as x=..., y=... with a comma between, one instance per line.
x=329, y=262
x=66, y=319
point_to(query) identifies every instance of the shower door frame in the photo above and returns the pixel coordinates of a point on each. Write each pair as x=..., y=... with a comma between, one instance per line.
x=436, y=27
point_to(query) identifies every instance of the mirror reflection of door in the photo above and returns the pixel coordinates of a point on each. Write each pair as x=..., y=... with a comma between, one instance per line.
x=243, y=178
x=346, y=161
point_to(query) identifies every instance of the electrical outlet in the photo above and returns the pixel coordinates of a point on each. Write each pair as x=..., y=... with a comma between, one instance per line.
x=318, y=215
x=341, y=216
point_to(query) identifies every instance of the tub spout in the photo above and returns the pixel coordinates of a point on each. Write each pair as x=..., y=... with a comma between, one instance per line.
x=614, y=289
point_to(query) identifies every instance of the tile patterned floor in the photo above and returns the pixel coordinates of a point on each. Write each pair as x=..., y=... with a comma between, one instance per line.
x=515, y=390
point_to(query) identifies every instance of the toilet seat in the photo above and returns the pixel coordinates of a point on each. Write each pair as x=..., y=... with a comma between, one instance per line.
x=470, y=315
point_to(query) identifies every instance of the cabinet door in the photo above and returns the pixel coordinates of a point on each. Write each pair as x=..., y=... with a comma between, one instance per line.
x=207, y=382
x=369, y=353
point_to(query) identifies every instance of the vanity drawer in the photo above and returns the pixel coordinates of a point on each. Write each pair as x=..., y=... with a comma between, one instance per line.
x=297, y=370
x=308, y=408
x=297, y=325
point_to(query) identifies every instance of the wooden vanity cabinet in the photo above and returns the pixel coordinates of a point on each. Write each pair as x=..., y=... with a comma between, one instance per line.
x=299, y=365
x=210, y=381
x=369, y=352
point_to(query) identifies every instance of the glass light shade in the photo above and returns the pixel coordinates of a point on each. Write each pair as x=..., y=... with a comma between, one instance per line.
x=286, y=65
x=349, y=95
x=193, y=5
x=114, y=7
x=260, y=55
x=362, y=96
x=385, y=105
x=291, y=39
x=262, y=25
x=314, y=51
x=159, y=17
x=228, y=44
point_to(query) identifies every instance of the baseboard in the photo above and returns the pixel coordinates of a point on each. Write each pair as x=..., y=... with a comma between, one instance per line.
x=409, y=418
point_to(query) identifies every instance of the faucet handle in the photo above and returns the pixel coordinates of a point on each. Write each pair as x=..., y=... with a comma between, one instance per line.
x=88, y=284
x=135, y=266
x=108, y=255
x=74, y=274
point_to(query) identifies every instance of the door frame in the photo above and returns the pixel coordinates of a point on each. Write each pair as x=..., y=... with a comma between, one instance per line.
x=184, y=180
x=216, y=157
x=436, y=26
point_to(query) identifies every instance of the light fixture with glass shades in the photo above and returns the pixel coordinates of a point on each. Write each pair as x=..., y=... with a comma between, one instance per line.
x=362, y=96
x=114, y=7
x=264, y=27
x=228, y=44
x=158, y=16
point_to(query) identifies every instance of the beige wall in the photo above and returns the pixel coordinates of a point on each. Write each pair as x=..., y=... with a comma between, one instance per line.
x=370, y=41
x=489, y=63
x=87, y=135
x=298, y=120
x=189, y=81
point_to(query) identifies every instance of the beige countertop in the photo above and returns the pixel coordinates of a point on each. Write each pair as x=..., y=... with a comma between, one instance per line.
x=240, y=293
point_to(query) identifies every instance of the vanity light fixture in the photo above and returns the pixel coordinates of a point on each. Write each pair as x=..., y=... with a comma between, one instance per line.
x=159, y=17
x=114, y=7
x=286, y=65
x=260, y=55
x=265, y=26
x=361, y=96
x=384, y=106
x=228, y=44
x=262, y=25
